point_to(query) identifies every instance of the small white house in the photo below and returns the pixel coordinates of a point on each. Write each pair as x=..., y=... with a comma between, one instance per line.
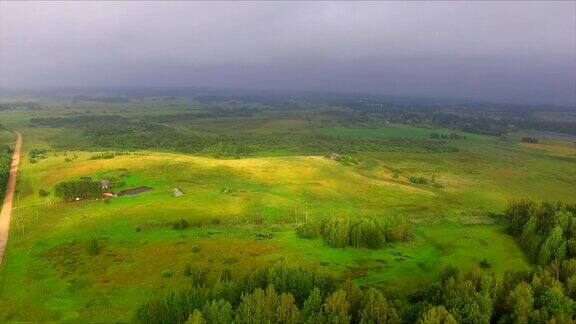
x=177, y=192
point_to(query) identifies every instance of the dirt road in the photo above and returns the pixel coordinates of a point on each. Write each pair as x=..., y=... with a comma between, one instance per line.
x=7, y=206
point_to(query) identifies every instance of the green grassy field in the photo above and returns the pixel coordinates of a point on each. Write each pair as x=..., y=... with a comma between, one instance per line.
x=48, y=275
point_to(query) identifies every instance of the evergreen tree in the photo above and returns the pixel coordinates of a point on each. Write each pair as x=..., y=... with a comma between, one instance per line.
x=312, y=310
x=286, y=310
x=530, y=238
x=521, y=303
x=355, y=298
x=337, y=232
x=336, y=308
x=466, y=301
x=553, y=248
x=218, y=312
x=555, y=302
x=196, y=318
x=257, y=307
x=437, y=315
x=376, y=309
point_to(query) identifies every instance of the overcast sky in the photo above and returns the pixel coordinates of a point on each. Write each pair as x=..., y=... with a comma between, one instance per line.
x=516, y=51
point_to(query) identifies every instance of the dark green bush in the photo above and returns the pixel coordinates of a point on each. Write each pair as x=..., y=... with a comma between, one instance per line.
x=197, y=273
x=103, y=156
x=167, y=273
x=337, y=232
x=311, y=230
x=35, y=155
x=419, y=180
x=93, y=246
x=180, y=225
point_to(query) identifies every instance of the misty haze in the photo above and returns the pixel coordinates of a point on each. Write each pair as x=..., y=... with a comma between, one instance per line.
x=519, y=52
x=288, y=162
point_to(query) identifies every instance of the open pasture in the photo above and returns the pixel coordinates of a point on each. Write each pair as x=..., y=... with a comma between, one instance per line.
x=241, y=213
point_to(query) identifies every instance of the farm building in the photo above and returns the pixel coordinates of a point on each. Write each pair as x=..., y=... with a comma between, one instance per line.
x=177, y=192
x=105, y=184
x=334, y=156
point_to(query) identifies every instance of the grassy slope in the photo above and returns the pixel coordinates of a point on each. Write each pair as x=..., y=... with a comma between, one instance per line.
x=46, y=253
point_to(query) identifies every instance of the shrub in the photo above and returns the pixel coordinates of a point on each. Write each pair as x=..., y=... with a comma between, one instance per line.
x=35, y=155
x=167, y=273
x=529, y=140
x=347, y=160
x=180, y=225
x=310, y=230
x=368, y=233
x=337, y=232
x=43, y=193
x=93, y=246
x=397, y=228
x=102, y=156
x=418, y=180
x=187, y=270
x=225, y=275
x=196, y=273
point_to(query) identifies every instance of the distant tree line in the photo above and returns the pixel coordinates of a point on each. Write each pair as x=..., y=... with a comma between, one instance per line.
x=102, y=99
x=451, y=136
x=368, y=232
x=5, y=162
x=102, y=156
x=19, y=105
x=214, y=112
x=469, y=117
x=82, y=189
x=529, y=140
x=419, y=180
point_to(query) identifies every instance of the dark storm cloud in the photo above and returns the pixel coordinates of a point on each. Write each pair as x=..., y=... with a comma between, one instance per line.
x=510, y=51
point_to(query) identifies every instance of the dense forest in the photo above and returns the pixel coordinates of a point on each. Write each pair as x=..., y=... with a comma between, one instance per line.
x=293, y=295
x=20, y=105
x=546, y=230
x=5, y=161
x=117, y=132
x=281, y=294
x=464, y=115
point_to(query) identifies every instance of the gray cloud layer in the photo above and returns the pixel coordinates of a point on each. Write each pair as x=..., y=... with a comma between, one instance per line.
x=509, y=51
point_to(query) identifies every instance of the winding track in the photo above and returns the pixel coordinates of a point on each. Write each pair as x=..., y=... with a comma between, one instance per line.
x=7, y=206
